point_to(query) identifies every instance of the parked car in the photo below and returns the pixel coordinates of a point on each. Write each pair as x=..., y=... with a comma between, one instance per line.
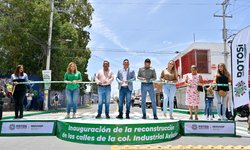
x=148, y=102
x=136, y=101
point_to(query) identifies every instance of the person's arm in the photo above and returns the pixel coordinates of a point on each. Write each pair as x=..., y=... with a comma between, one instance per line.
x=153, y=78
x=26, y=77
x=133, y=78
x=186, y=81
x=214, y=80
x=80, y=77
x=65, y=76
x=200, y=80
x=162, y=76
x=97, y=78
x=139, y=76
x=175, y=78
x=117, y=78
x=111, y=77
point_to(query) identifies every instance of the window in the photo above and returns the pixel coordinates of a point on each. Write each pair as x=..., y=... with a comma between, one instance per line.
x=202, y=61
x=200, y=58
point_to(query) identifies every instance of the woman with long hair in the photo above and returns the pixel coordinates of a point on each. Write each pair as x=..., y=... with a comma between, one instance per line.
x=169, y=76
x=19, y=91
x=72, y=76
x=193, y=79
x=222, y=76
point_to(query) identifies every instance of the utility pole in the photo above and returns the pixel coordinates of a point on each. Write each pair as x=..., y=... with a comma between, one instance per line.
x=46, y=90
x=224, y=31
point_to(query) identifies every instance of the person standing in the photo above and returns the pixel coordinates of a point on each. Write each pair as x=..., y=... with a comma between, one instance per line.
x=104, y=79
x=169, y=76
x=125, y=86
x=19, y=90
x=209, y=96
x=193, y=79
x=72, y=77
x=147, y=75
x=29, y=96
x=221, y=77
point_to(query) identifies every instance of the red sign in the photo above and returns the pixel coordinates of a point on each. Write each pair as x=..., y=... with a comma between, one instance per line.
x=213, y=67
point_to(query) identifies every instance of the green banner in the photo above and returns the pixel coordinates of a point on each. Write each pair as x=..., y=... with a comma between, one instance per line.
x=117, y=133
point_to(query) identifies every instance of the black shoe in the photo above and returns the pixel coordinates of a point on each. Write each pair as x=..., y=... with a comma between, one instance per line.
x=119, y=117
x=98, y=116
x=143, y=117
x=127, y=117
x=20, y=116
x=107, y=116
x=155, y=118
x=15, y=117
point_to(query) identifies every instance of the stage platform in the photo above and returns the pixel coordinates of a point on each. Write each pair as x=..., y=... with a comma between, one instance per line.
x=88, y=130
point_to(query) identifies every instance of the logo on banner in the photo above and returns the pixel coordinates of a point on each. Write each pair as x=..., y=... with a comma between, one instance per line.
x=240, y=89
x=194, y=127
x=12, y=127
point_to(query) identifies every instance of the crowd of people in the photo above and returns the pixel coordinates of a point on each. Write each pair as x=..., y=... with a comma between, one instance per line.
x=125, y=77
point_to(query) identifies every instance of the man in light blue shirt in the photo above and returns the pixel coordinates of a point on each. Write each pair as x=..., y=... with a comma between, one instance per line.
x=124, y=78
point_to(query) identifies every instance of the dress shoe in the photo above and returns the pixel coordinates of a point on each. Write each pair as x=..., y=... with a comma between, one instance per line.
x=98, y=116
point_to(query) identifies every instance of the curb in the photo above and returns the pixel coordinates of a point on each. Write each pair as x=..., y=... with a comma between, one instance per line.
x=42, y=112
x=35, y=113
x=181, y=147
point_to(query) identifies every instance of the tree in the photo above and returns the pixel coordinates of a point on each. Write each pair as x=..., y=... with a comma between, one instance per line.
x=24, y=33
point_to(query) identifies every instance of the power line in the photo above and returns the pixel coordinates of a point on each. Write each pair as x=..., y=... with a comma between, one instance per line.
x=151, y=3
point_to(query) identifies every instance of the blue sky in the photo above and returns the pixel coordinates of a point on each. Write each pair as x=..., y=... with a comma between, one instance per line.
x=129, y=28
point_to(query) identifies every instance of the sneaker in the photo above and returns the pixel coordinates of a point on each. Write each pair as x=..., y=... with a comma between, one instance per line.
x=165, y=115
x=155, y=118
x=74, y=115
x=171, y=117
x=107, y=116
x=98, y=116
x=219, y=118
x=67, y=116
x=207, y=118
x=119, y=117
x=210, y=117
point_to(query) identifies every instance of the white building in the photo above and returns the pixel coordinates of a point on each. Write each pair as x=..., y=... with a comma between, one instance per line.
x=206, y=56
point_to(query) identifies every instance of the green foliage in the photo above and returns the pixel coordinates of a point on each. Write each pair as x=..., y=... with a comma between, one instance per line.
x=24, y=28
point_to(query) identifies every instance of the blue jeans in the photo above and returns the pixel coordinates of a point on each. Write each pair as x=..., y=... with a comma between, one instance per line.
x=72, y=97
x=28, y=105
x=150, y=89
x=168, y=94
x=124, y=92
x=221, y=103
x=104, y=95
x=208, y=106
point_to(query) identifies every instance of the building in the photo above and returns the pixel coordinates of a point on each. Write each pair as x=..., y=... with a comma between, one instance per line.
x=206, y=56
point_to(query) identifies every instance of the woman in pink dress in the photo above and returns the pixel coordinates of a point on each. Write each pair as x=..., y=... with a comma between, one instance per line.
x=192, y=95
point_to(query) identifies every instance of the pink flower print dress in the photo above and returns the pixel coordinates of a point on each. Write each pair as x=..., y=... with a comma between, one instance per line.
x=192, y=94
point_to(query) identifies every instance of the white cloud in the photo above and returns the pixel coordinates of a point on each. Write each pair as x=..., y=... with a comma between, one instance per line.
x=101, y=28
x=157, y=6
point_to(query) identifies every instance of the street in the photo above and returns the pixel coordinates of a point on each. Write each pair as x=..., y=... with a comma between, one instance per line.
x=52, y=142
